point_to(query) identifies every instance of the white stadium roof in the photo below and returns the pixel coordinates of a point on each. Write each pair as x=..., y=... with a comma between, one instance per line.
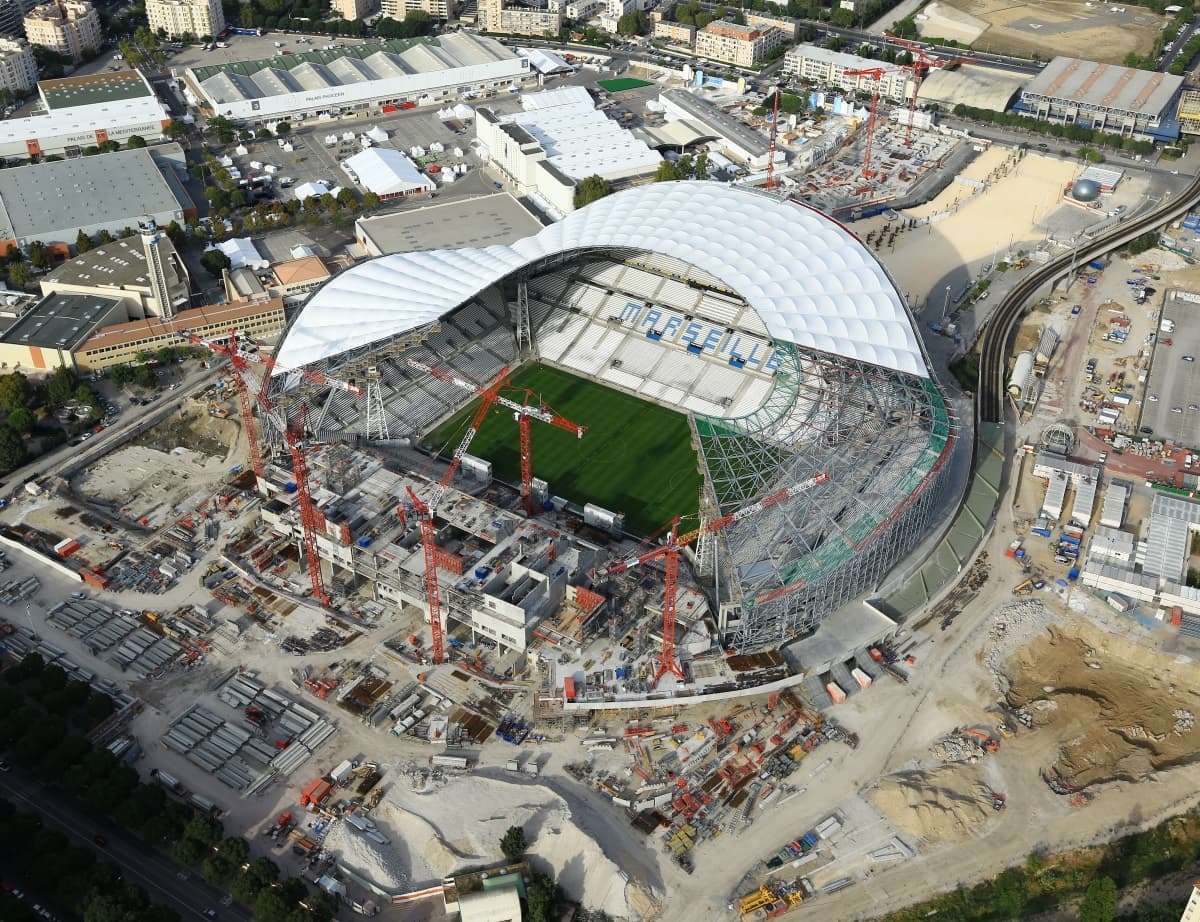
x=811, y=281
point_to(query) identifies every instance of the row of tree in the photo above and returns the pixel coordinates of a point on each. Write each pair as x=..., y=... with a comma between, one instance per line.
x=1076, y=133
x=44, y=717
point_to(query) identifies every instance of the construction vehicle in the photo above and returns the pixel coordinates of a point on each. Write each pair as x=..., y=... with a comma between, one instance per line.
x=988, y=743
x=999, y=801
x=1024, y=588
x=670, y=552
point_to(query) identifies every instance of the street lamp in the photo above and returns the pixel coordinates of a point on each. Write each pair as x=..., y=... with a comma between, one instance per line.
x=946, y=303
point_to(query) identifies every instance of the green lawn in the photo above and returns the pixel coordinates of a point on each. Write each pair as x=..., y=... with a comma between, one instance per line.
x=620, y=84
x=636, y=457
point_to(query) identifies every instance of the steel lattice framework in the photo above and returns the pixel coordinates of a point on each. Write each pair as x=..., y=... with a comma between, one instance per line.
x=883, y=436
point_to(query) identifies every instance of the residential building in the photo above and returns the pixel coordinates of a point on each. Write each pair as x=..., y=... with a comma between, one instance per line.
x=12, y=17
x=579, y=10
x=675, y=32
x=398, y=9
x=1191, y=912
x=186, y=17
x=18, y=70
x=68, y=27
x=785, y=24
x=1104, y=97
x=829, y=69
x=618, y=8
x=351, y=10
x=498, y=16
x=742, y=46
x=84, y=111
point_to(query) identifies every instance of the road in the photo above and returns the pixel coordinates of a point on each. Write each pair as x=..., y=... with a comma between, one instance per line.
x=1176, y=47
x=165, y=882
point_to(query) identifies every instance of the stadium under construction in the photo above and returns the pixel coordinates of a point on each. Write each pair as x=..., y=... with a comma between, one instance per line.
x=805, y=418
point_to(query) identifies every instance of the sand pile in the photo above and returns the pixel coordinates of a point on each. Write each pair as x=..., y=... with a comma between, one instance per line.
x=460, y=824
x=943, y=805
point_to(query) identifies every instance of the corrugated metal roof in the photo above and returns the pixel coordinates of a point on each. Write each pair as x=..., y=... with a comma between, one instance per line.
x=1168, y=536
x=1107, y=86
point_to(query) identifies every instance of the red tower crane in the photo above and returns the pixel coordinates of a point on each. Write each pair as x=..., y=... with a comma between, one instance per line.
x=876, y=73
x=772, y=182
x=240, y=361
x=670, y=551
x=311, y=520
x=922, y=64
x=425, y=511
x=524, y=413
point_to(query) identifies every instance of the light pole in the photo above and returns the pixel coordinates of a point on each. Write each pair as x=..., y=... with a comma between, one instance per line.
x=946, y=303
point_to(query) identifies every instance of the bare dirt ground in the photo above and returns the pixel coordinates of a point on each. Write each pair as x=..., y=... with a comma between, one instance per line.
x=1121, y=712
x=1053, y=27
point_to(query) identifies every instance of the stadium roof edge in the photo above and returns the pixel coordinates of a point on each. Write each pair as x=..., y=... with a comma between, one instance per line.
x=810, y=279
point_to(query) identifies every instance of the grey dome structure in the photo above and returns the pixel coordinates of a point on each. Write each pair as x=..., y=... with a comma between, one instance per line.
x=1085, y=190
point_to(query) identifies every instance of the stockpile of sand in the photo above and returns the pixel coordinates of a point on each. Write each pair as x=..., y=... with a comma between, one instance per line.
x=943, y=805
x=460, y=824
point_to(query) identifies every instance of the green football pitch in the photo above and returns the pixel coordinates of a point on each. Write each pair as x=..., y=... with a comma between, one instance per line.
x=635, y=458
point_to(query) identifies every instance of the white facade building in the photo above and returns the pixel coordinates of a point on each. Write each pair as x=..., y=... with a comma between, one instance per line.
x=182, y=17
x=829, y=68
x=18, y=70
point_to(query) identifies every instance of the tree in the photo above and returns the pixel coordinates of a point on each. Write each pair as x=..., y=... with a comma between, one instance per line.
x=22, y=420
x=105, y=236
x=39, y=256
x=543, y=898
x=1099, y=901
x=347, y=198
x=135, y=141
x=215, y=261
x=177, y=130
x=633, y=23
x=667, y=172
x=176, y=234
x=283, y=129
x=15, y=391
x=19, y=275
x=12, y=449
x=370, y=200
x=60, y=389
x=83, y=242
x=591, y=189
x=513, y=843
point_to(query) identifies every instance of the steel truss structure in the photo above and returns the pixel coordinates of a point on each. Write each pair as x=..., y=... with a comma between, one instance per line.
x=882, y=435
x=884, y=438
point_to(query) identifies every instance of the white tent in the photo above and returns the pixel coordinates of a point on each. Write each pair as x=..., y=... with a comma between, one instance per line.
x=311, y=190
x=545, y=62
x=241, y=253
x=387, y=173
x=377, y=134
x=464, y=113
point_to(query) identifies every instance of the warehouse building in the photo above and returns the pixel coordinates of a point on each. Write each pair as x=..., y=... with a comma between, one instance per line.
x=559, y=140
x=48, y=334
x=52, y=202
x=704, y=120
x=86, y=111
x=368, y=78
x=972, y=85
x=1104, y=97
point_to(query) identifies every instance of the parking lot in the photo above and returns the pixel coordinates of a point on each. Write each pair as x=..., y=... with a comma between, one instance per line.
x=1172, y=406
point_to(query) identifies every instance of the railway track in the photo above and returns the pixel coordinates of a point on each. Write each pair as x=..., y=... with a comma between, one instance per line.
x=993, y=349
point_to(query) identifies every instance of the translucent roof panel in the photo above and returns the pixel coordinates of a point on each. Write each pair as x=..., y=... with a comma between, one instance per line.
x=811, y=281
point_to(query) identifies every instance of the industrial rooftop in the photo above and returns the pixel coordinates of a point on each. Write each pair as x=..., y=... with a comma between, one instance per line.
x=121, y=263
x=319, y=70
x=92, y=89
x=84, y=191
x=62, y=321
x=1105, y=86
x=472, y=222
x=729, y=127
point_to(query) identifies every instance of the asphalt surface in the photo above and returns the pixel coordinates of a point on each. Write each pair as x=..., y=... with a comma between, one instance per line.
x=1175, y=414
x=164, y=881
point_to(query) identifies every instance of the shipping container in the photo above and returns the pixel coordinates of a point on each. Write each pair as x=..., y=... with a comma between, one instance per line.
x=835, y=692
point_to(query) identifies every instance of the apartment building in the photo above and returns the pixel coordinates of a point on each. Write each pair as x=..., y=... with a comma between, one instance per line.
x=191, y=17
x=742, y=46
x=785, y=24
x=18, y=71
x=497, y=16
x=351, y=10
x=675, y=32
x=398, y=9
x=830, y=69
x=65, y=26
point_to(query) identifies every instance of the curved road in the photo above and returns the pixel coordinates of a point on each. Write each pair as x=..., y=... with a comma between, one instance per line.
x=993, y=348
